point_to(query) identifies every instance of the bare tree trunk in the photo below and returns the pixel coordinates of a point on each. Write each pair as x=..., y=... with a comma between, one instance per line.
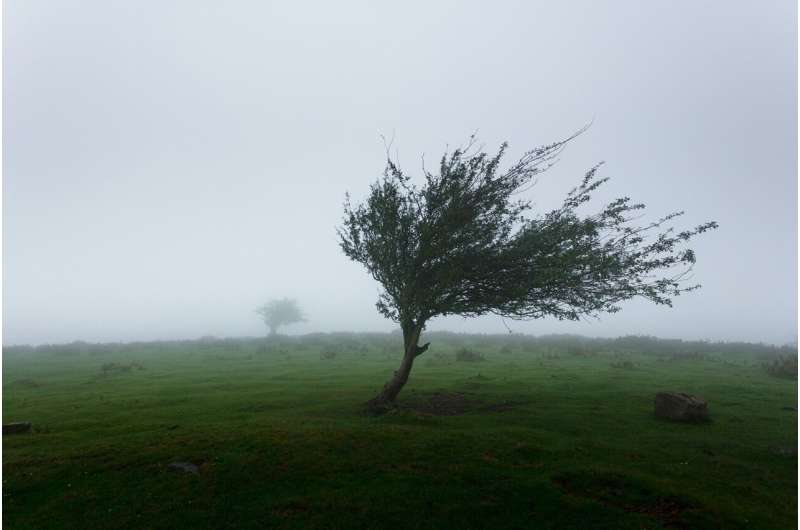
x=273, y=330
x=385, y=399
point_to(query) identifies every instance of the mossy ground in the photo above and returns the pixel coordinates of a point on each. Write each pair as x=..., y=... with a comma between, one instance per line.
x=541, y=440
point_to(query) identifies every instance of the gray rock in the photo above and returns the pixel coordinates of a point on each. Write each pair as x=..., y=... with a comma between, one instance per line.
x=678, y=406
x=184, y=467
x=784, y=451
x=17, y=428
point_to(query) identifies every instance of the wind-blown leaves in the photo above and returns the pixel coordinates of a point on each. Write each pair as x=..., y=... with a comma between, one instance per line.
x=464, y=244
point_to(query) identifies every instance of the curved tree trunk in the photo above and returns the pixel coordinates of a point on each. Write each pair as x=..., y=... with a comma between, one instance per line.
x=385, y=399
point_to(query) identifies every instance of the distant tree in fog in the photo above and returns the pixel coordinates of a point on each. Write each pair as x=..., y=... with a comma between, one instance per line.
x=461, y=244
x=281, y=312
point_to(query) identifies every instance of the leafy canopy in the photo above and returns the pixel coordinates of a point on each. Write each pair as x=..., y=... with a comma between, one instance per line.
x=280, y=312
x=464, y=243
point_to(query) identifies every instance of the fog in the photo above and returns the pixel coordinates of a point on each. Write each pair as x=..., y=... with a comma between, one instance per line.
x=170, y=166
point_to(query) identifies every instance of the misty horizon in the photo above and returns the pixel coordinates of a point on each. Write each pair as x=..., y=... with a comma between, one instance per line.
x=397, y=332
x=169, y=168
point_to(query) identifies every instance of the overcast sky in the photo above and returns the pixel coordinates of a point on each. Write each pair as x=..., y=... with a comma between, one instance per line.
x=168, y=166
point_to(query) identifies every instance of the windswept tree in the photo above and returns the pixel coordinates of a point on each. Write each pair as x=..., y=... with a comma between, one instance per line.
x=281, y=312
x=463, y=243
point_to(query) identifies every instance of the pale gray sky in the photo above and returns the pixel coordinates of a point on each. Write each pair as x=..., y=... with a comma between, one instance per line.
x=168, y=166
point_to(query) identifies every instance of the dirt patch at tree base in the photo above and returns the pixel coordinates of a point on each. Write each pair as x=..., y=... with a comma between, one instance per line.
x=442, y=404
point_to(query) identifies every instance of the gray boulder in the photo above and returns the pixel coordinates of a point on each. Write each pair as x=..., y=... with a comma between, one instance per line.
x=678, y=406
x=184, y=467
x=17, y=428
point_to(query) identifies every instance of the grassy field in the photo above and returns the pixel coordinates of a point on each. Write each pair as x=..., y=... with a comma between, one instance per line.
x=539, y=434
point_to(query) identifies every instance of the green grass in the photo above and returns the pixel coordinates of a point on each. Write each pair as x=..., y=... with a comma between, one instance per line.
x=281, y=443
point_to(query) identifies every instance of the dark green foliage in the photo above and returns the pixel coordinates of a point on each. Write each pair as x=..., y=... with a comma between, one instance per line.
x=463, y=244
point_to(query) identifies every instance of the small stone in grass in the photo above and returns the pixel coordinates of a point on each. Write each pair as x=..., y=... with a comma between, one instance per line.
x=17, y=428
x=678, y=406
x=185, y=467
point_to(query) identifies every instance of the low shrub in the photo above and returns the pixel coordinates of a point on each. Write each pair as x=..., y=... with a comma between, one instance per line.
x=468, y=356
x=626, y=365
x=783, y=366
x=114, y=368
